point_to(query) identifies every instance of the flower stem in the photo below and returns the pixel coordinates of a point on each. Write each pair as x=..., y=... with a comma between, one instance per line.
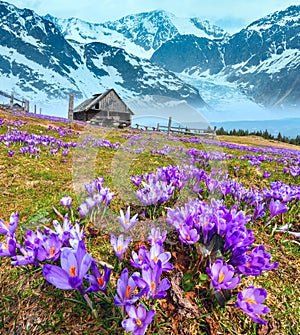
x=89, y=302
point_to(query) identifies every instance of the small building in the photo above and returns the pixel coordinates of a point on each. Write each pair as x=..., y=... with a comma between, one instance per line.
x=104, y=109
x=14, y=106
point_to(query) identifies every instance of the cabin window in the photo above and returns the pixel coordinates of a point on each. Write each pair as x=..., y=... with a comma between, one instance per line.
x=97, y=105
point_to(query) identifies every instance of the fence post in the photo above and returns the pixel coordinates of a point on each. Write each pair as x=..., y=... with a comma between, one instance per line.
x=169, y=125
x=34, y=109
x=40, y=110
x=157, y=127
x=12, y=99
x=27, y=106
x=71, y=106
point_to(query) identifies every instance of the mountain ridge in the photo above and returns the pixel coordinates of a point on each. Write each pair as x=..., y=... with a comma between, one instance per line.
x=140, y=34
x=38, y=62
x=263, y=59
x=52, y=57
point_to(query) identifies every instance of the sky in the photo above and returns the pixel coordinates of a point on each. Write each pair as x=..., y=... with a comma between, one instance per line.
x=231, y=15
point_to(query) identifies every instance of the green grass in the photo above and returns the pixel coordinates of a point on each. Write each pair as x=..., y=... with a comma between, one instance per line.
x=30, y=305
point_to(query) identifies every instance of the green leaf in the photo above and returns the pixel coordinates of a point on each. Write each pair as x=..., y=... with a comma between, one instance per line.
x=203, y=277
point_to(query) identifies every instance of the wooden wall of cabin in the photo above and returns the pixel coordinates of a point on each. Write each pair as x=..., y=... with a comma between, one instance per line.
x=79, y=116
x=112, y=103
x=121, y=116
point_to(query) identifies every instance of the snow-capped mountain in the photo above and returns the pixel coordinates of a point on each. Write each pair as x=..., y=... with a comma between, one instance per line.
x=46, y=57
x=38, y=63
x=263, y=59
x=139, y=34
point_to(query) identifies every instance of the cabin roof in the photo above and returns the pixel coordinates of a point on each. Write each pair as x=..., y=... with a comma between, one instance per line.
x=89, y=103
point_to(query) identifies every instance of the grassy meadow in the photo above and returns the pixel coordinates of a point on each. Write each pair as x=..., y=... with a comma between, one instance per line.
x=34, y=180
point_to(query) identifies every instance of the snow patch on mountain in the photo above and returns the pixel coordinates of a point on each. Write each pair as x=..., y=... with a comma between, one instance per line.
x=288, y=59
x=290, y=16
x=139, y=34
x=225, y=99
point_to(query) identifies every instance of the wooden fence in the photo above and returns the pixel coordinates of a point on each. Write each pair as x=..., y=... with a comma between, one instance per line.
x=208, y=132
x=23, y=106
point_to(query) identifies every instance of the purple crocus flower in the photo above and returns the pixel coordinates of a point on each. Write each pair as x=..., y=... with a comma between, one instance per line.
x=156, y=237
x=238, y=237
x=76, y=235
x=250, y=301
x=63, y=230
x=259, y=211
x=8, y=248
x=136, y=180
x=208, y=228
x=91, y=203
x=139, y=319
x=125, y=286
x=98, y=280
x=140, y=258
x=50, y=248
x=266, y=174
x=106, y=195
x=277, y=207
x=83, y=210
x=256, y=262
x=125, y=220
x=188, y=235
x=74, y=266
x=152, y=283
x=222, y=275
x=65, y=152
x=157, y=253
x=29, y=256
x=66, y=201
x=11, y=226
x=154, y=191
x=119, y=245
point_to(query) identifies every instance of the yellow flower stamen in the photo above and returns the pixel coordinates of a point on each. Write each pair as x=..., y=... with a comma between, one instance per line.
x=138, y=322
x=52, y=252
x=221, y=277
x=73, y=271
x=250, y=301
x=100, y=281
x=128, y=288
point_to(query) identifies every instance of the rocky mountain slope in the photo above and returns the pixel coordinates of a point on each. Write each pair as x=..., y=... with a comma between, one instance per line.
x=48, y=57
x=140, y=34
x=263, y=59
x=38, y=62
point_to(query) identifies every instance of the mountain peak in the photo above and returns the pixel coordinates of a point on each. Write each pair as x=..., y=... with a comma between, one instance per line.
x=140, y=34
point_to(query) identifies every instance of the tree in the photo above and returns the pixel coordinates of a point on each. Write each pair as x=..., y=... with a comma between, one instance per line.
x=279, y=137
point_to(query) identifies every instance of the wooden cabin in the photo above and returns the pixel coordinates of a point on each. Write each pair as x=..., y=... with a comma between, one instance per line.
x=104, y=109
x=15, y=106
